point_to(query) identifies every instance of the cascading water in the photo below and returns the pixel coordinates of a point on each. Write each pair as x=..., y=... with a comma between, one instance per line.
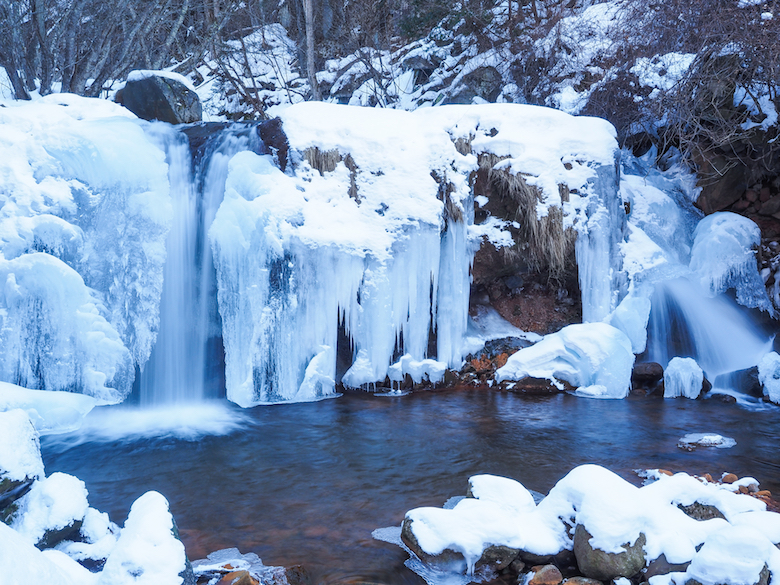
x=685, y=322
x=182, y=364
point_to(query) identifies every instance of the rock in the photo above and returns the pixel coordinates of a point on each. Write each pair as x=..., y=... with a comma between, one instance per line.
x=10, y=492
x=533, y=560
x=497, y=557
x=517, y=566
x=546, y=575
x=537, y=386
x=647, y=373
x=582, y=581
x=161, y=98
x=52, y=538
x=598, y=564
x=445, y=558
x=238, y=578
x=729, y=478
x=297, y=575
x=483, y=82
x=661, y=566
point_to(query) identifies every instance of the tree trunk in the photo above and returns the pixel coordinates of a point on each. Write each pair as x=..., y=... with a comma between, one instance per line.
x=308, y=12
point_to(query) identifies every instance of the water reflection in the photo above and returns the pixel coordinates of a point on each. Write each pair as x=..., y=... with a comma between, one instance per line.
x=307, y=483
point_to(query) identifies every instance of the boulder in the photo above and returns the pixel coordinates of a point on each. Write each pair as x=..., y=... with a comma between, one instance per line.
x=597, y=564
x=661, y=566
x=647, y=375
x=163, y=98
x=483, y=82
x=546, y=575
x=699, y=511
x=447, y=557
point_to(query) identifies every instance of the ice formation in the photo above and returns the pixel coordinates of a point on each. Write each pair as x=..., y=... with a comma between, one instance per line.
x=683, y=377
x=50, y=412
x=374, y=240
x=85, y=210
x=502, y=512
x=596, y=358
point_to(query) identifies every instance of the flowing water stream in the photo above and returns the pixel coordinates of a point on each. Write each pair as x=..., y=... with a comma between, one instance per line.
x=307, y=483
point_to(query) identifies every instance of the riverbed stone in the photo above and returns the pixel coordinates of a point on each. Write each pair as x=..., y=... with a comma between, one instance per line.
x=497, y=557
x=447, y=557
x=661, y=566
x=238, y=578
x=582, y=581
x=604, y=566
x=546, y=575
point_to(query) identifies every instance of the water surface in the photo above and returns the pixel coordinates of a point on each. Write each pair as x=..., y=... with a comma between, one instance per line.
x=307, y=483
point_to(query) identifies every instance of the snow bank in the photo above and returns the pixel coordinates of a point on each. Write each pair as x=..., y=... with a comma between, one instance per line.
x=53, y=503
x=140, y=74
x=20, y=451
x=683, y=377
x=50, y=412
x=594, y=357
x=769, y=376
x=83, y=217
x=614, y=512
x=147, y=552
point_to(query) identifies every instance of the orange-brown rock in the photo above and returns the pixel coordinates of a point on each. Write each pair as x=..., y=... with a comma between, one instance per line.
x=546, y=575
x=238, y=578
x=665, y=472
x=743, y=490
x=763, y=493
x=501, y=360
x=729, y=478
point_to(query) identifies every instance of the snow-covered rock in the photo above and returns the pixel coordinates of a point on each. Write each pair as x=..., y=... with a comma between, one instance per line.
x=769, y=376
x=594, y=357
x=147, y=552
x=683, y=377
x=615, y=516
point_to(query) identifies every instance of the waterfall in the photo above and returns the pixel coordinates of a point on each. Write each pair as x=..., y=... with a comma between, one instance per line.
x=187, y=360
x=715, y=331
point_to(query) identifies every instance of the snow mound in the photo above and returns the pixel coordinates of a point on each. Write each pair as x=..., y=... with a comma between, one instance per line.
x=683, y=377
x=51, y=504
x=692, y=440
x=20, y=451
x=595, y=357
x=147, y=552
x=769, y=376
x=50, y=412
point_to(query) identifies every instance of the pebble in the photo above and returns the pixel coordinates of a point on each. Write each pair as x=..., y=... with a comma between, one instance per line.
x=546, y=575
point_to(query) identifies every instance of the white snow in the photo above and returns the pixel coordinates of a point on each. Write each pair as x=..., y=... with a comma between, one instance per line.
x=147, y=552
x=22, y=563
x=683, y=377
x=707, y=440
x=140, y=74
x=51, y=504
x=612, y=510
x=595, y=357
x=20, y=451
x=769, y=376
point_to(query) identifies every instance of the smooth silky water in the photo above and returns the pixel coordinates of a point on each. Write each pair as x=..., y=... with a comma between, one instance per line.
x=308, y=483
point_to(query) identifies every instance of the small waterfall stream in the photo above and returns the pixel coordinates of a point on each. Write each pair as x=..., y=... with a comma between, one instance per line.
x=186, y=364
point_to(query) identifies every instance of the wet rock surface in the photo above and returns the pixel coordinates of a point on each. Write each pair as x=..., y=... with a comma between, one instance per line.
x=161, y=98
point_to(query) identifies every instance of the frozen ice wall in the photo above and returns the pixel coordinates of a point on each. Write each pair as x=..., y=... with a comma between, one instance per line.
x=370, y=233
x=84, y=210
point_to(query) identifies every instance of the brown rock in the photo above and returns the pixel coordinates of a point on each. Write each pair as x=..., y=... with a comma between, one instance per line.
x=536, y=386
x=238, y=578
x=708, y=477
x=771, y=207
x=647, y=373
x=546, y=575
x=582, y=581
x=751, y=195
x=740, y=205
x=661, y=566
x=743, y=490
x=665, y=472
x=763, y=493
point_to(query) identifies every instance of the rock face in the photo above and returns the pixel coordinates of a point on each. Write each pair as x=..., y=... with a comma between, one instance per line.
x=161, y=98
x=483, y=82
x=597, y=564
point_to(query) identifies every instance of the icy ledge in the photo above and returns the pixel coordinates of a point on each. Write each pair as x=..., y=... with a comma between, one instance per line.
x=593, y=523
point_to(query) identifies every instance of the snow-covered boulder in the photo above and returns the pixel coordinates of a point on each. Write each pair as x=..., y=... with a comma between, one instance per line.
x=20, y=450
x=147, y=551
x=52, y=511
x=161, y=95
x=769, y=376
x=683, y=377
x=594, y=357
